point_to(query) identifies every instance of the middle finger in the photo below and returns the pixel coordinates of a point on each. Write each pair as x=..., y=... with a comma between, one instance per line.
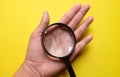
x=78, y=17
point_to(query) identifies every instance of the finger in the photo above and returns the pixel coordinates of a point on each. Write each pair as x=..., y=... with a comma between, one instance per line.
x=83, y=27
x=44, y=22
x=70, y=14
x=79, y=16
x=81, y=45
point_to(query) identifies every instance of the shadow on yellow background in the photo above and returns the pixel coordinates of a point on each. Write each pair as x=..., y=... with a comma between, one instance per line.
x=101, y=58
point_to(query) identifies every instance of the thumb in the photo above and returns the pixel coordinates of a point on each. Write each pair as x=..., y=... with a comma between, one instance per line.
x=44, y=22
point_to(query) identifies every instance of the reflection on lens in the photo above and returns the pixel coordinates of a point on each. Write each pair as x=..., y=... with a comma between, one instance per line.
x=58, y=41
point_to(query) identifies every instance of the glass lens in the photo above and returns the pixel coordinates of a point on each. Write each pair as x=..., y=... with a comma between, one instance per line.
x=58, y=40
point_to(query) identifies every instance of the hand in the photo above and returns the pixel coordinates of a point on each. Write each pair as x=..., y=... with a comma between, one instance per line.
x=37, y=63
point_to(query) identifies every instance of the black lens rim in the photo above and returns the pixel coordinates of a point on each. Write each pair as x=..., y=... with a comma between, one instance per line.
x=62, y=25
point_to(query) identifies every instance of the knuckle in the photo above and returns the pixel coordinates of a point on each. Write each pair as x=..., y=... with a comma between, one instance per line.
x=82, y=44
x=66, y=18
x=46, y=23
x=76, y=21
x=73, y=12
x=81, y=14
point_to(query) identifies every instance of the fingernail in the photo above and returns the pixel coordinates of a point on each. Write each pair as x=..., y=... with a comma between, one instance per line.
x=78, y=4
x=87, y=6
x=91, y=18
x=90, y=36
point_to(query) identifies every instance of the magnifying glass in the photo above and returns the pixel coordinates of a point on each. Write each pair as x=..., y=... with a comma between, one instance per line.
x=58, y=40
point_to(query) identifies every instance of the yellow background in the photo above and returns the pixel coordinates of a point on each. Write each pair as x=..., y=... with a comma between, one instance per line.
x=101, y=58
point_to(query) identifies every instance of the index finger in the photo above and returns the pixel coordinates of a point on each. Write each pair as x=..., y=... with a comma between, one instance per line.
x=70, y=14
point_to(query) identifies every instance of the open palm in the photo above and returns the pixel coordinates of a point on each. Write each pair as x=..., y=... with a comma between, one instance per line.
x=37, y=60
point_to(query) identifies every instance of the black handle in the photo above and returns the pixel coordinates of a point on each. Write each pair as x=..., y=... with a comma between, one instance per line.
x=69, y=67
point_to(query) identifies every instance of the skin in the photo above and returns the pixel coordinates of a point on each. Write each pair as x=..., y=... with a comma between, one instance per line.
x=37, y=62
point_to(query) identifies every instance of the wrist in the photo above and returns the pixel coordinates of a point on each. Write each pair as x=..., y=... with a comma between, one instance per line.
x=26, y=70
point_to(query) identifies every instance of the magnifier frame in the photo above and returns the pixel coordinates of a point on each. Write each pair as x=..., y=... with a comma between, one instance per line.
x=66, y=57
x=70, y=32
